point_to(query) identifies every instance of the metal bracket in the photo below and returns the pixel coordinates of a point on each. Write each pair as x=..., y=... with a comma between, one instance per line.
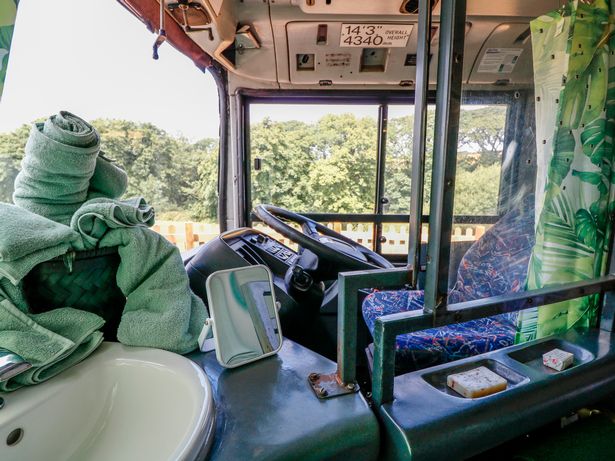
x=329, y=386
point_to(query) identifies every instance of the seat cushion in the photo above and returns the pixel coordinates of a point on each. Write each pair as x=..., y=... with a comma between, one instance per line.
x=425, y=348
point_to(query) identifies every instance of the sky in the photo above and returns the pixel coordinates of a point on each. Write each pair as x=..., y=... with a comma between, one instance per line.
x=93, y=58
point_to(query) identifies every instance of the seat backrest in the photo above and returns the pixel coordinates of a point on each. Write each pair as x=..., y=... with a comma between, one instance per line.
x=497, y=263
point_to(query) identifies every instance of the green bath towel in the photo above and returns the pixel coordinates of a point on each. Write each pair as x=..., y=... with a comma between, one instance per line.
x=161, y=310
x=56, y=170
x=51, y=342
x=62, y=168
x=108, y=180
x=97, y=216
x=26, y=239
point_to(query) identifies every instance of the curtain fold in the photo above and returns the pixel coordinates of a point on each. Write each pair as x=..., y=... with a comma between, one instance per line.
x=574, y=74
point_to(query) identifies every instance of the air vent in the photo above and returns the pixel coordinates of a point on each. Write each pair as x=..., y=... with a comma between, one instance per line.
x=249, y=255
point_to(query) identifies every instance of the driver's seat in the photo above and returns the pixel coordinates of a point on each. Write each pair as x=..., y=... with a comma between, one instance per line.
x=495, y=264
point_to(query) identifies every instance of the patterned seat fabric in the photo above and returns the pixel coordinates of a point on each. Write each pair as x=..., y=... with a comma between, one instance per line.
x=496, y=264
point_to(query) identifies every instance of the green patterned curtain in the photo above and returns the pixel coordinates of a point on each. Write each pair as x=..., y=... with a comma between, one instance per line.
x=8, y=11
x=574, y=68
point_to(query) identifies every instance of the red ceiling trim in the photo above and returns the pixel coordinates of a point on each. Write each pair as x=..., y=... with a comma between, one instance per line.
x=148, y=11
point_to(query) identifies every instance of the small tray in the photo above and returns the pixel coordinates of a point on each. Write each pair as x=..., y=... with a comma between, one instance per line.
x=531, y=356
x=438, y=378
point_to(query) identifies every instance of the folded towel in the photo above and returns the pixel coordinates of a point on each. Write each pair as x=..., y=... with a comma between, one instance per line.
x=97, y=216
x=59, y=162
x=27, y=239
x=51, y=342
x=161, y=310
x=23, y=233
x=109, y=180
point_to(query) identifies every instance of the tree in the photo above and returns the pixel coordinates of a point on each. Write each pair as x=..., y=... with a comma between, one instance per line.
x=12, y=146
x=482, y=130
x=343, y=180
x=285, y=150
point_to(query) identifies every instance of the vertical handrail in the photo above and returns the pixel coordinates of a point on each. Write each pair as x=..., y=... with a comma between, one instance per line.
x=448, y=102
x=418, y=137
x=383, y=116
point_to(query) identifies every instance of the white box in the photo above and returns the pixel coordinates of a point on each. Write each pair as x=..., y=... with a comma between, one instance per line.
x=557, y=359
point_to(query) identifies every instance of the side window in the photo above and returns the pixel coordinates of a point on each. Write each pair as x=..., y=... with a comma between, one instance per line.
x=167, y=144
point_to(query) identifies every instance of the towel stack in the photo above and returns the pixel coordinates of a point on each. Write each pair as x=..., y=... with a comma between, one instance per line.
x=62, y=169
x=67, y=200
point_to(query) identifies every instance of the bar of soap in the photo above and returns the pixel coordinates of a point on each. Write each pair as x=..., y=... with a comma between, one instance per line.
x=557, y=359
x=477, y=382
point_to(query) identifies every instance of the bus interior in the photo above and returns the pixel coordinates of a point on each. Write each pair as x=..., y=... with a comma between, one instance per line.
x=475, y=229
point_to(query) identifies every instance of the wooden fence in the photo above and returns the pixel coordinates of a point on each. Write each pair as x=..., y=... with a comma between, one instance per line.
x=188, y=235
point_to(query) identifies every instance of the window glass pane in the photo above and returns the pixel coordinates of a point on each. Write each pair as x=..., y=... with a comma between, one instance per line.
x=492, y=237
x=398, y=159
x=169, y=150
x=479, y=157
x=314, y=158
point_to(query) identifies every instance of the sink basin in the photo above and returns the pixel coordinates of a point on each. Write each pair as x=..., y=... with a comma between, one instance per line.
x=122, y=403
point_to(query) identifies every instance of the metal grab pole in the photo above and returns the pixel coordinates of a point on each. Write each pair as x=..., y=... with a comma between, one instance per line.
x=418, y=137
x=448, y=102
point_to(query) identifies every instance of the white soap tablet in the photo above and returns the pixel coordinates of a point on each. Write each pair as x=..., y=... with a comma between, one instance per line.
x=477, y=382
x=557, y=359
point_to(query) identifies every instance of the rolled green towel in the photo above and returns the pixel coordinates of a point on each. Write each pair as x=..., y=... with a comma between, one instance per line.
x=97, y=216
x=59, y=162
x=26, y=239
x=51, y=342
x=109, y=180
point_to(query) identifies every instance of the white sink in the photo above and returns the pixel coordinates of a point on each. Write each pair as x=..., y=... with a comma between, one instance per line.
x=122, y=403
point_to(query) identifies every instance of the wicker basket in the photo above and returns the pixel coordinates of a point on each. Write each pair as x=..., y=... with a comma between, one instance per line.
x=83, y=280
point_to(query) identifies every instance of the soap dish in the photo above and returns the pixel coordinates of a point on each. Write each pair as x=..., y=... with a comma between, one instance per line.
x=438, y=379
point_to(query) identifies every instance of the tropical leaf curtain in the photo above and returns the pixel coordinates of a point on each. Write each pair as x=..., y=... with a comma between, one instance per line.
x=8, y=12
x=574, y=68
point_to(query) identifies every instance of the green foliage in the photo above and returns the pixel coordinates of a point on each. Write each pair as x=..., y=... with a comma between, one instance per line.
x=326, y=166
x=12, y=147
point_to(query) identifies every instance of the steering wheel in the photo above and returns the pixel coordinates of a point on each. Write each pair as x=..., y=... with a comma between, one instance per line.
x=341, y=252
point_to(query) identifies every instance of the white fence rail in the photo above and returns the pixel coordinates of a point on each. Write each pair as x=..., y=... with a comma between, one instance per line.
x=188, y=235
